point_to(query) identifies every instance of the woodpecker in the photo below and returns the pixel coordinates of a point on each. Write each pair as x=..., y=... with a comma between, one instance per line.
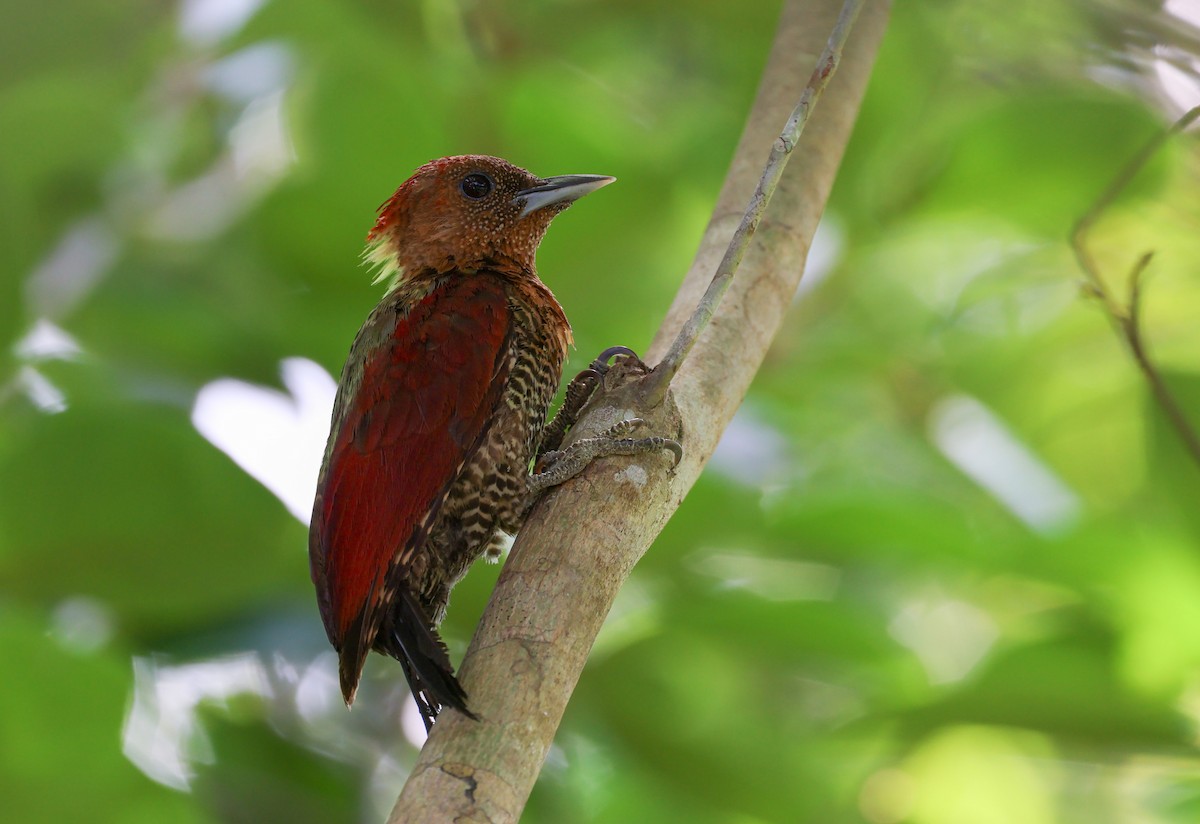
x=441, y=413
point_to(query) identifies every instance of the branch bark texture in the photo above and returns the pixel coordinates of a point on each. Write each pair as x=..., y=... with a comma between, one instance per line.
x=581, y=542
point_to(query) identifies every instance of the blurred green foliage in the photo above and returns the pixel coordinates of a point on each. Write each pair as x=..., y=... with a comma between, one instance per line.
x=945, y=568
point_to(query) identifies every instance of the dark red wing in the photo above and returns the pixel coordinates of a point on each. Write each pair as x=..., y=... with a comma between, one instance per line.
x=424, y=404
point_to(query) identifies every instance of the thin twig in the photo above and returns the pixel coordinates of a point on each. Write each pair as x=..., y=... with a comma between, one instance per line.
x=655, y=386
x=1132, y=326
x=1127, y=319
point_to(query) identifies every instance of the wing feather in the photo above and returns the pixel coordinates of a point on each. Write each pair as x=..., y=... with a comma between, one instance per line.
x=423, y=406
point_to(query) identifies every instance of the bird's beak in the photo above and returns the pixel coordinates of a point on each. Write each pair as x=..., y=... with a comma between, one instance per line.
x=564, y=189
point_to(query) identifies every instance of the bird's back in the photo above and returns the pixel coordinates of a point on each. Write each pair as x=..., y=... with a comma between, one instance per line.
x=488, y=495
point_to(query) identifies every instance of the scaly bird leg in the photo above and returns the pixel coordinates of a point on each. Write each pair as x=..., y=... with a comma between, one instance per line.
x=561, y=466
x=579, y=392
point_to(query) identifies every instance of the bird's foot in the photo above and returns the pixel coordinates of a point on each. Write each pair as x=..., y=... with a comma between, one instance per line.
x=601, y=364
x=580, y=391
x=559, y=466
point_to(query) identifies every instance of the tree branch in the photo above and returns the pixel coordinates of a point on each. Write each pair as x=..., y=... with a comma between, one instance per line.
x=1127, y=319
x=582, y=541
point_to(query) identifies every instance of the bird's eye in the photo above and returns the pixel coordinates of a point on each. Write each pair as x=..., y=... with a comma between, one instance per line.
x=476, y=185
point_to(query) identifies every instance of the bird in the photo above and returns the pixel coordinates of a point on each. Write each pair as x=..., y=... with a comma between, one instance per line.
x=438, y=443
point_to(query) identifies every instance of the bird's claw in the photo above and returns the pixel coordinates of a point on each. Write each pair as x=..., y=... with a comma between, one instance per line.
x=612, y=351
x=676, y=449
x=594, y=374
x=579, y=392
x=621, y=429
x=600, y=365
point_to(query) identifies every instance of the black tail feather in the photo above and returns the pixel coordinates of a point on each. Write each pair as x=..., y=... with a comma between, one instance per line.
x=409, y=638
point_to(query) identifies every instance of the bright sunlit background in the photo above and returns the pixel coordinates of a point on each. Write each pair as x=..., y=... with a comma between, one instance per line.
x=944, y=567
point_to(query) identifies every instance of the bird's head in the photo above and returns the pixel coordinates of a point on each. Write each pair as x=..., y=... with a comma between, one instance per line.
x=467, y=211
